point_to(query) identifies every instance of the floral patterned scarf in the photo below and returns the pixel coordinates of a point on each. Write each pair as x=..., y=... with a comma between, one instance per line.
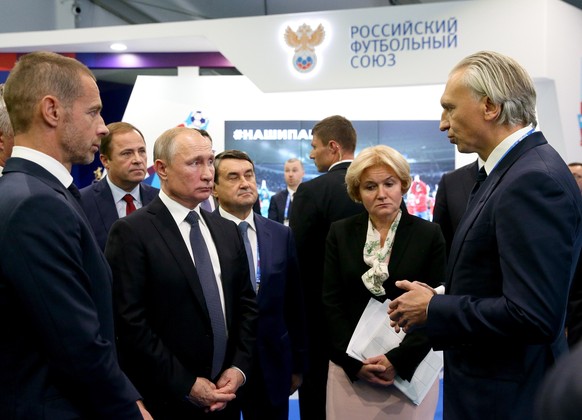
x=378, y=257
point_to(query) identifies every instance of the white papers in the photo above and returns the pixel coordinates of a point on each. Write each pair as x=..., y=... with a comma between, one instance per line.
x=374, y=335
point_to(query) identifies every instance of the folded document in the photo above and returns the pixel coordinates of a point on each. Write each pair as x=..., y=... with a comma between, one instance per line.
x=374, y=336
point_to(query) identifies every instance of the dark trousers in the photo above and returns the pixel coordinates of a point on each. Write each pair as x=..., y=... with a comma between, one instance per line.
x=313, y=391
x=256, y=403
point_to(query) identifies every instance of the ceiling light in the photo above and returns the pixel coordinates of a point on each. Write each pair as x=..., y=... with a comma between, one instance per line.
x=118, y=46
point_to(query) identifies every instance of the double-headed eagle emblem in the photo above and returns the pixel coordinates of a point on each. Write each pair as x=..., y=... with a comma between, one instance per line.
x=304, y=41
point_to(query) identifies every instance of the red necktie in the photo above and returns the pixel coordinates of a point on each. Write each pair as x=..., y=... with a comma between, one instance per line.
x=130, y=208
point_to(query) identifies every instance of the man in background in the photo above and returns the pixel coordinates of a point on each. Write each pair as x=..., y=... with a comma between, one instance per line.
x=316, y=204
x=121, y=191
x=452, y=197
x=58, y=357
x=281, y=203
x=6, y=134
x=185, y=306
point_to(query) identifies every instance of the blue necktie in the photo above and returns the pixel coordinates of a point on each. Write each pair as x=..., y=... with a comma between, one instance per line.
x=210, y=289
x=206, y=204
x=243, y=227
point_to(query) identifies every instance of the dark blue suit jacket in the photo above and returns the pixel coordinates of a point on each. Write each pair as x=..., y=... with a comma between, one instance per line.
x=513, y=257
x=277, y=206
x=164, y=330
x=281, y=338
x=57, y=356
x=97, y=201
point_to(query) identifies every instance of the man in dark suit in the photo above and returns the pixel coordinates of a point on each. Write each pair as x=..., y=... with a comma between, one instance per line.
x=501, y=323
x=58, y=357
x=452, y=197
x=281, y=203
x=281, y=340
x=186, y=309
x=124, y=156
x=318, y=203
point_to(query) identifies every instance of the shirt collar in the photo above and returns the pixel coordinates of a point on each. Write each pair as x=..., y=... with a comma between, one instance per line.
x=118, y=193
x=502, y=148
x=177, y=210
x=337, y=163
x=249, y=219
x=49, y=163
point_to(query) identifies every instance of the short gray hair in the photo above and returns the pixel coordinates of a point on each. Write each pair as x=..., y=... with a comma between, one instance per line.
x=505, y=82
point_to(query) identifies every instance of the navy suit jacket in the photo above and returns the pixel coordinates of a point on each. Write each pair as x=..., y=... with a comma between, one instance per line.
x=451, y=199
x=418, y=254
x=57, y=356
x=277, y=206
x=513, y=257
x=282, y=337
x=164, y=330
x=97, y=201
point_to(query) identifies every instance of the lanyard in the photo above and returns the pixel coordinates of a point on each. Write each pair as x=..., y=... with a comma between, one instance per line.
x=286, y=213
x=512, y=146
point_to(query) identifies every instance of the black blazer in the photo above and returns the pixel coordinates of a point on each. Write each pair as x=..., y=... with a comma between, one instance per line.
x=451, y=199
x=418, y=254
x=98, y=204
x=57, y=355
x=316, y=204
x=163, y=326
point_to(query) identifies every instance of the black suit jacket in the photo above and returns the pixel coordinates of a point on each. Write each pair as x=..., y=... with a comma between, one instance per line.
x=451, y=199
x=164, y=330
x=277, y=206
x=57, y=356
x=418, y=254
x=97, y=201
x=316, y=204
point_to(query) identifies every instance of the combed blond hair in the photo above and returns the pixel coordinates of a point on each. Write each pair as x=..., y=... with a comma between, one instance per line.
x=372, y=156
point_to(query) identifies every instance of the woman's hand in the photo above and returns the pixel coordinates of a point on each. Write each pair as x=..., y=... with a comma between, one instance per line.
x=377, y=370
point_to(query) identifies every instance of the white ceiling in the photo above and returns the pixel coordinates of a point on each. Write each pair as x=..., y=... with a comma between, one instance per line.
x=155, y=11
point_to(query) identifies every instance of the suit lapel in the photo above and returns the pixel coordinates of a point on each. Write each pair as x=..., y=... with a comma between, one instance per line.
x=147, y=194
x=482, y=196
x=105, y=204
x=170, y=234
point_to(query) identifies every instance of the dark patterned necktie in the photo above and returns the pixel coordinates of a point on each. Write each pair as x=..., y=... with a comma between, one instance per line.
x=210, y=290
x=481, y=176
x=75, y=191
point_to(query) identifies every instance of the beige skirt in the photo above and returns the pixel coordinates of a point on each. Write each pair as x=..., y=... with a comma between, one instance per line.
x=362, y=401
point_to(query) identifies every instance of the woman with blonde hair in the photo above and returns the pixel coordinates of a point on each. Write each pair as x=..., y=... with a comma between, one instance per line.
x=365, y=255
